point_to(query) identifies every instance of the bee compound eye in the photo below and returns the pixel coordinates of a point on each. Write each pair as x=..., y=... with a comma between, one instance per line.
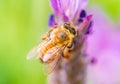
x=67, y=26
x=72, y=30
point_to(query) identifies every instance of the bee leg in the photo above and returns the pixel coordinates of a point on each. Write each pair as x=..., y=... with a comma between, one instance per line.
x=51, y=29
x=66, y=53
x=41, y=60
x=70, y=45
x=44, y=36
x=63, y=55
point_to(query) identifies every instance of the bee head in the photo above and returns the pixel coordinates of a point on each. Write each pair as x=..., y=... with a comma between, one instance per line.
x=70, y=28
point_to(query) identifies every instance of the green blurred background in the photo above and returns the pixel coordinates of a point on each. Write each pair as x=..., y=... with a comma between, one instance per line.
x=22, y=22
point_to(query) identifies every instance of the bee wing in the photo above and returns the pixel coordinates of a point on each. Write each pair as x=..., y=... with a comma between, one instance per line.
x=33, y=53
x=36, y=51
x=56, y=54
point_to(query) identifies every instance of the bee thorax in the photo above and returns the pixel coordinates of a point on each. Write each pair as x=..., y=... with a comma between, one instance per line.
x=62, y=35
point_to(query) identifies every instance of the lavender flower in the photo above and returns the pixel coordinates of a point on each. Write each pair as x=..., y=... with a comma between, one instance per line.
x=103, y=45
x=71, y=71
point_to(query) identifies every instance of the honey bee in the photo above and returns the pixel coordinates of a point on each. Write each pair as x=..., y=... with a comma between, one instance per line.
x=56, y=44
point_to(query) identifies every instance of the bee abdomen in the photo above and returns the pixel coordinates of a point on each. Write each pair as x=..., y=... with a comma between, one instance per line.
x=48, y=58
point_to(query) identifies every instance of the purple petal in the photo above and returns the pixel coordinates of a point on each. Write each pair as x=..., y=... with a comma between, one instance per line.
x=100, y=38
x=89, y=29
x=54, y=5
x=51, y=20
x=107, y=68
x=103, y=44
x=83, y=14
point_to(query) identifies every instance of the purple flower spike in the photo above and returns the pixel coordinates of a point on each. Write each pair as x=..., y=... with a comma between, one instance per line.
x=72, y=12
x=67, y=10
